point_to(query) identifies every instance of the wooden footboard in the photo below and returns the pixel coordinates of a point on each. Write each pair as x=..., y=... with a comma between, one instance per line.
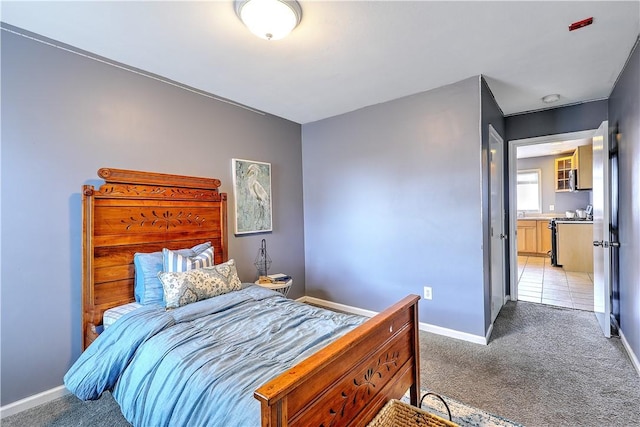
x=350, y=380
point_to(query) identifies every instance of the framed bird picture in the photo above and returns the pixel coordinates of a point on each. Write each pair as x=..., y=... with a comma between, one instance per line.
x=252, y=193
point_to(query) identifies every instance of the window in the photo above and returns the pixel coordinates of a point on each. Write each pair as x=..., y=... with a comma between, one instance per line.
x=529, y=190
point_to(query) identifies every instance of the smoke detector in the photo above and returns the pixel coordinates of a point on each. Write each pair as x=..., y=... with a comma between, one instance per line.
x=549, y=99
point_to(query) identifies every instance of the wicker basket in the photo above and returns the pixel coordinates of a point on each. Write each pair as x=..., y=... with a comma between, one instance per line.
x=399, y=414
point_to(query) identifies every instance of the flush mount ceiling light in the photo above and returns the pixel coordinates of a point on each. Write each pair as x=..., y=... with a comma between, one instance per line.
x=269, y=19
x=550, y=98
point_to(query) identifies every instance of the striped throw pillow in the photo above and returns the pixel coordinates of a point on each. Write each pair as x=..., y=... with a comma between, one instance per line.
x=148, y=288
x=173, y=262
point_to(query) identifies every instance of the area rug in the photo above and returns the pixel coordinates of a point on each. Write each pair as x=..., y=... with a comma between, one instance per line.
x=461, y=414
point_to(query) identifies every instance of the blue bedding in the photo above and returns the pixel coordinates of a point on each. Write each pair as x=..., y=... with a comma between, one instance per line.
x=199, y=364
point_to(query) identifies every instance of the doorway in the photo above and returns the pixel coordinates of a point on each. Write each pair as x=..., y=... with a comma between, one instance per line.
x=535, y=277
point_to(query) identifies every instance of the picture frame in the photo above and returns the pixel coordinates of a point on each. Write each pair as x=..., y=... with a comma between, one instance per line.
x=252, y=196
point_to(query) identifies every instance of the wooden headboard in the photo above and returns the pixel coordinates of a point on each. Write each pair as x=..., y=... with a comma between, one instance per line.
x=136, y=211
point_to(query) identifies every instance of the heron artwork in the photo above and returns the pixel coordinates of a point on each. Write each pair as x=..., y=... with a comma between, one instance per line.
x=253, y=196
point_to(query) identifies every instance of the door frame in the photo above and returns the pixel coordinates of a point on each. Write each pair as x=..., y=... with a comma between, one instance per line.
x=513, y=186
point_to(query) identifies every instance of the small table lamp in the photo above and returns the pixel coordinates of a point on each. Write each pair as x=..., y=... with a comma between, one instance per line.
x=263, y=262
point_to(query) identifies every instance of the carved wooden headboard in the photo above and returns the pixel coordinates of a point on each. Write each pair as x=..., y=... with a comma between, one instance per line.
x=137, y=211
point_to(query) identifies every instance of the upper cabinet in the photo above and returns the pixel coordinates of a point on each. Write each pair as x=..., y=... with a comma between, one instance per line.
x=582, y=162
x=563, y=172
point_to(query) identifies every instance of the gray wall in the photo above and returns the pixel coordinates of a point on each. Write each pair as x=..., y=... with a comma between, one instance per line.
x=572, y=118
x=65, y=116
x=562, y=201
x=624, y=119
x=393, y=200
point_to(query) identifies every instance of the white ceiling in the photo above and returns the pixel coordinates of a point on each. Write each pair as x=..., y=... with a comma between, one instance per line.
x=347, y=55
x=550, y=148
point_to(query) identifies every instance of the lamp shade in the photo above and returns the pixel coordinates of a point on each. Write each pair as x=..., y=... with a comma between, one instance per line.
x=263, y=260
x=269, y=19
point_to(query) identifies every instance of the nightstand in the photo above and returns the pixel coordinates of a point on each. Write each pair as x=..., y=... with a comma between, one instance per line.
x=282, y=287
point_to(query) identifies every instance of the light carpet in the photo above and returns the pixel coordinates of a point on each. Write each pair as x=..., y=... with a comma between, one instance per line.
x=544, y=366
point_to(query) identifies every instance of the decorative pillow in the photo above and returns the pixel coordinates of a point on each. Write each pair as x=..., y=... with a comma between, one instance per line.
x=182, y=288
x=147, y=288
x=174, y=262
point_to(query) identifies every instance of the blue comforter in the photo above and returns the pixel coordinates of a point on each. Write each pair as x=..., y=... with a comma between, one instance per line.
x=199, y=365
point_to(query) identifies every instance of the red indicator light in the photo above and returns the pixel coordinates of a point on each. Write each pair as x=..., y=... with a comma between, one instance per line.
x=581, y=24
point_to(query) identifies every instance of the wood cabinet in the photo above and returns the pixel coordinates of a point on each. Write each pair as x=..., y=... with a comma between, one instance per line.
x=574, y=244
x=534, y=237
x=563, y=166
x=582, y=161
x=527, y=236
x=543, y=237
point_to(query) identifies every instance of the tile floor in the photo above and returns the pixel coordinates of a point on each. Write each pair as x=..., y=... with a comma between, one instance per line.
x=539, y=281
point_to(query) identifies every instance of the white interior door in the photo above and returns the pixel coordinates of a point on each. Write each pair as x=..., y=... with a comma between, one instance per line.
x=497, y=223
x=601, y=221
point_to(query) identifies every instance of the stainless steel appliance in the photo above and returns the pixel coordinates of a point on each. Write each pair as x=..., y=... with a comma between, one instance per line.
x=554, y=251
x=573, y=180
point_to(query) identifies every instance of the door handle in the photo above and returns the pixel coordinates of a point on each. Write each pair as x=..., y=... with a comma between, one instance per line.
x=503, y=236
x=606, y=244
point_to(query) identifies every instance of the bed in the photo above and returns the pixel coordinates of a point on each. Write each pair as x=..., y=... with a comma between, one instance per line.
x=346, y=382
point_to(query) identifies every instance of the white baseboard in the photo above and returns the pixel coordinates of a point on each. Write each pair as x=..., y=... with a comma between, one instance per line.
x=439, y=330
x=33, y=401
x=634, y=359
x=337, y=306
x=452, y=333
x=488, y=336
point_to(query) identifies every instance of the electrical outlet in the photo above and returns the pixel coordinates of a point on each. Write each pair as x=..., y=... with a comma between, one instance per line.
x=427, y=292
x=552, y=208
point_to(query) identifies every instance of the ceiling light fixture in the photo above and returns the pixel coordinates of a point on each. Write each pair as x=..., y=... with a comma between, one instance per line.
x=550, y=98
x=269, y=19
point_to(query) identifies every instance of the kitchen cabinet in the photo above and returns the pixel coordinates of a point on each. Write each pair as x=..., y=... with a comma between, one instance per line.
x=534, y=237
x=563, y=166
x=527, y=236
x=582, y=161
x=574, y=244
x=543, y=237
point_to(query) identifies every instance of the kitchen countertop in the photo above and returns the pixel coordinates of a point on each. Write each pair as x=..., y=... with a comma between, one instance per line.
x=536, y=218
x=540, y=217
x=557, y=216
